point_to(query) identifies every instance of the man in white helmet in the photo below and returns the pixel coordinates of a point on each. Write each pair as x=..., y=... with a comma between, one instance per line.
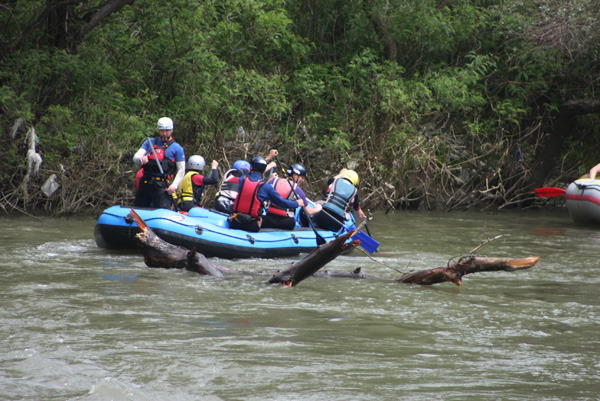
x=191, y=188
x=163, y=162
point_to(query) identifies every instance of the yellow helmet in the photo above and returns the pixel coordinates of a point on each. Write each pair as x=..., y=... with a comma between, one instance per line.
x=351, y=176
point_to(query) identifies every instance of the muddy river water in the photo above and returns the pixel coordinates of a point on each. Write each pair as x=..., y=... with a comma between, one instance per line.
x=82, y=323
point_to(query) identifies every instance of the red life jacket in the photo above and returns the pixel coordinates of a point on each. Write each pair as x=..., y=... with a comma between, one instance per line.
x=247, y=199
x=283, y=188
x=168, y=166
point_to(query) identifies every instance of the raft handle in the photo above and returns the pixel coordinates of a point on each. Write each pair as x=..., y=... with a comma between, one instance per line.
x=129, y=219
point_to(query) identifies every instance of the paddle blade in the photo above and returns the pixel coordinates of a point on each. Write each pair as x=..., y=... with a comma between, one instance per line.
x=549, y=192
x=368, y=243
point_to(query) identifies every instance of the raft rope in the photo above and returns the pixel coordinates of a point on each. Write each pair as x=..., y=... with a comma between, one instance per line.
x=380, y=262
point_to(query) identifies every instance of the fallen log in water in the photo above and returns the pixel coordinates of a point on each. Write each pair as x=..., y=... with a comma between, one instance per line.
x=452, y=273
x=159, y=253
x=467, y=265
x=314, y=261
x=198, y=263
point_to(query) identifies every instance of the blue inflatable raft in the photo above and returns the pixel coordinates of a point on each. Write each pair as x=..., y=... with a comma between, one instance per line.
x=206, y=230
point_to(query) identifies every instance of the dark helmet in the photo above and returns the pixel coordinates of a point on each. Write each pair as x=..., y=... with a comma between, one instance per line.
x=259, y=164
x=297, y=169
x=241, y=165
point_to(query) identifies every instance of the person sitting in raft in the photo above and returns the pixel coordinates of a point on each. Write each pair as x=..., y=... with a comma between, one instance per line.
x=229, y=187
x=154, y=189
x=288, y=188
x=231, y=180
x=252, y=194
x=340, y=198
x=191, y=188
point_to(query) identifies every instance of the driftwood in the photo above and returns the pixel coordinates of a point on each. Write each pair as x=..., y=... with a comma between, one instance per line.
x=451, y=273
x=159, y=253
x=314, y=261
x=467, y=265
x=198, y=263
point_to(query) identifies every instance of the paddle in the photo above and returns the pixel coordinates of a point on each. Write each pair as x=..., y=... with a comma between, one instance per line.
x=366, y=226
x=367, y=242
x=162, y=173
x=549, y=192
x=320, y=240
x=366, y=219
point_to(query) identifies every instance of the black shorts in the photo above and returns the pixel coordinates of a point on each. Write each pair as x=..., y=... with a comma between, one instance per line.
x=244, y=222
x=274, y=221
x=327, y=221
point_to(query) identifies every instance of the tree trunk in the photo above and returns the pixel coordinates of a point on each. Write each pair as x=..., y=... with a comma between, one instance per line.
x=158, y=253
x=314, y=261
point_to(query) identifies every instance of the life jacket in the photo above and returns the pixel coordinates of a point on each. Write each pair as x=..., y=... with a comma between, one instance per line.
x=229, y=186
x=168, y=166
x=340, y=197
x=188, y=191
x=247, y=199
x=283, y=188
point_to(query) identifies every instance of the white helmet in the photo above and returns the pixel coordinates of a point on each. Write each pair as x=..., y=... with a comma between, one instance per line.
x=196, y=163
x=165, y=123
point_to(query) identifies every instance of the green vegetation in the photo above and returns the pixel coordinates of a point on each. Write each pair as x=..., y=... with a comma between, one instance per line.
x=432, y=102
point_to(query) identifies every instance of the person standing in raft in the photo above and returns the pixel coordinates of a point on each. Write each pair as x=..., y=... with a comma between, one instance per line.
x=191, y=188
x=154, y=189
x=340, y=198
x=252, y=194
x=278, y=217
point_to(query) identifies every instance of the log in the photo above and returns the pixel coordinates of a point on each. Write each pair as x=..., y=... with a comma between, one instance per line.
x=198, y=263
x=467, y=265
x=162, y=254
x=157, y=252
x=314, y=261
x=452, y=273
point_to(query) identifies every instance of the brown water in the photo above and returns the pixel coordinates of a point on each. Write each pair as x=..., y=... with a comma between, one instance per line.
x=82, y=323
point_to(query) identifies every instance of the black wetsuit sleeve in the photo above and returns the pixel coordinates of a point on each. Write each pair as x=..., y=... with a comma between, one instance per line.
x=213, y=178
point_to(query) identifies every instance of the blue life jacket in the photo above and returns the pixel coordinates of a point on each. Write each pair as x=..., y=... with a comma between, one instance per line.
x=340, y=197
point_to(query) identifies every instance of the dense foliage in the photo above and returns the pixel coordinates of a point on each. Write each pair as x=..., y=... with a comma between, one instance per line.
x=439, y=103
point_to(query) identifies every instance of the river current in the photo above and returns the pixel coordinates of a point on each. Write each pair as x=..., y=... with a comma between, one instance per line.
x=82, y=323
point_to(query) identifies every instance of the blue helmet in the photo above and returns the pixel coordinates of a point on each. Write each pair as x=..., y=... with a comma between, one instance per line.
x=241, y=165
x=297, y=169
